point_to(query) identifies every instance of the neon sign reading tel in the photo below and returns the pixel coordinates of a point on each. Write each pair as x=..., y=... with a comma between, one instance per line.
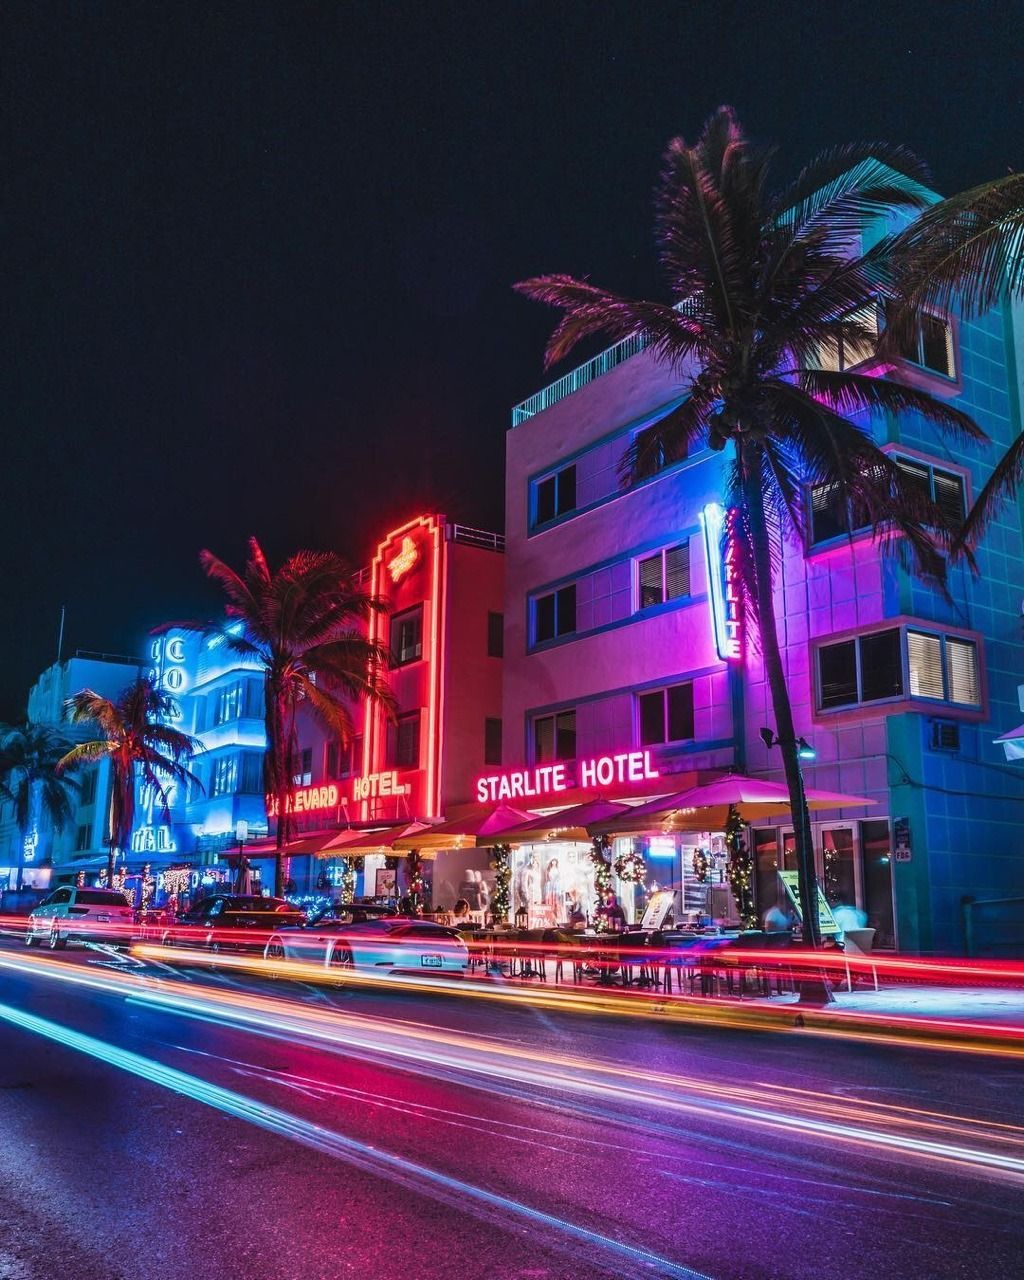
x=721, y=551
x=549, y=779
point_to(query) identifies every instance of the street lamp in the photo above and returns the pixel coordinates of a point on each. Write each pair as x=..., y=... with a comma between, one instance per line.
x=813, y=990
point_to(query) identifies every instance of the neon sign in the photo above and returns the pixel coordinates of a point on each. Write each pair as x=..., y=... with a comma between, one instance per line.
x=407, y=555
x=550, y=779
x=328, y=796
x=721, y=551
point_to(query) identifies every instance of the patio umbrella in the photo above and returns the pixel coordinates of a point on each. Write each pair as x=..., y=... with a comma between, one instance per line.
x=360, y=844
x=485, y=820
x=706, y=807
x=570, y=824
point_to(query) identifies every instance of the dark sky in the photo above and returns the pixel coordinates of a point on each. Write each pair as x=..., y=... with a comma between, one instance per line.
x=256, y=258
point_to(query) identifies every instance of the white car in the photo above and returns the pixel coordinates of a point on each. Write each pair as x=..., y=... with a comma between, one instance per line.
x=83, y=915
x=381, y=944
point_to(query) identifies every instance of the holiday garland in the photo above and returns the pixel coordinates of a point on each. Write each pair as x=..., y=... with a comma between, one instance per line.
x=501, y=899
x=740, y=869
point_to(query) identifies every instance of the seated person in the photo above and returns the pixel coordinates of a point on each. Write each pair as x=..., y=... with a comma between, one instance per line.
x=575, y=916
x=611, y=914
x=461, y=915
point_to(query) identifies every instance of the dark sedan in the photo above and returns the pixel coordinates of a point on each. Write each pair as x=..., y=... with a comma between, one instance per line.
x=231, y=922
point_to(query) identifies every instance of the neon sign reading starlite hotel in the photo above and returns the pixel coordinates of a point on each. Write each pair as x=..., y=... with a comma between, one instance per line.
x=550, y=779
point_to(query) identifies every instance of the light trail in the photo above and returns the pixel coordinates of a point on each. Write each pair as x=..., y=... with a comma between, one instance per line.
x=423, y=1048
x=947, y=1034
x=626, y=1260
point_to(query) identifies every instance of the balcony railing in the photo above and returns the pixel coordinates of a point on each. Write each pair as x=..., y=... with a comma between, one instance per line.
x=476, y=537
x=577, y=378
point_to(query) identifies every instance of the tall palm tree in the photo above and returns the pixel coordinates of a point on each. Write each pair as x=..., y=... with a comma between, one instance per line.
x=304, y=623
x=29, y=756
x=140, y=747
x=763, y=290
x=968, y=252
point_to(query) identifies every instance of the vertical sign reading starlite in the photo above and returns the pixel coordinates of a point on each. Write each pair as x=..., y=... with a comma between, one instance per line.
x=721, y=551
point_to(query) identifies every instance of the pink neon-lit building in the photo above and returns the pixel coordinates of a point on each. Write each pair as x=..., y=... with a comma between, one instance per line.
x=444, y=586
x=615, y=641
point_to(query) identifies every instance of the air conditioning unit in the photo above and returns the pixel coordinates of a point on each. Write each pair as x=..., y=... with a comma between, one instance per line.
x=945, y=735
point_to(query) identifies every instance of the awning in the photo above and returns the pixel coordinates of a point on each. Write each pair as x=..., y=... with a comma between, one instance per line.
x=569, y=824
x=360, y=844
x=296, y=849
x=468, y=831
x=1012, y=743
x=706, y=808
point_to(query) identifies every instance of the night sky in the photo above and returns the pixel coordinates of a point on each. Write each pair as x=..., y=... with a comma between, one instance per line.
x=257, y=258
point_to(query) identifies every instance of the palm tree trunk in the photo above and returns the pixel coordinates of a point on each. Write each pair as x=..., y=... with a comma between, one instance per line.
x=761, y=554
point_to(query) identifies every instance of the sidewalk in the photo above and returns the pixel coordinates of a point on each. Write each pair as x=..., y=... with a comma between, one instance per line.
x=1002, y=1005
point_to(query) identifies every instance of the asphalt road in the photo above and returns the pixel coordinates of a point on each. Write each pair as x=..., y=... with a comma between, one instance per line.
x=322, y=1133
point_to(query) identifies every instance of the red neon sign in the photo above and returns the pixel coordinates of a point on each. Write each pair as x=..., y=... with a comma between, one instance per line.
x=306, y=800
x=400, y=564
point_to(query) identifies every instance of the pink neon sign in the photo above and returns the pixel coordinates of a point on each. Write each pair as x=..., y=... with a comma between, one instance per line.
x=550, y=779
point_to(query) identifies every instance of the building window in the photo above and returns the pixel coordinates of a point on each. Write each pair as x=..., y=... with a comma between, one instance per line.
x=665, y=715
x=492, y=740
x=495, y=635
x=554, y=614
x=944, y=488
x=87, y=794
x=851, y=352
x=252, y=773
x=554, y=737
x=663, y=576
x=555, y=495
x=224, y=776
x=651, y=453
x=304, y=776
x=929, y=343
x=864, y=669
x=343, y=758
x=255, y=705
x=82, y=839
x=404, y=742
x=944, y=668
x=228, y=705
x=869, y=668
x=832, y=516
x=407, y=637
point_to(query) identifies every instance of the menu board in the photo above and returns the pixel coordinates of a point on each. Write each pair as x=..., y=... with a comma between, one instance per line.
x=826, y=920
x=658, y=908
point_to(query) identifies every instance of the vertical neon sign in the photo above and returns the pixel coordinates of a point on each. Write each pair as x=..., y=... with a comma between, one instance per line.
x=721, y=554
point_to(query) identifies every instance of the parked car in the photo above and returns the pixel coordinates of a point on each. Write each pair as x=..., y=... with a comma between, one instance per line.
x=71, y=914
x=231, y=922
x=359, y=938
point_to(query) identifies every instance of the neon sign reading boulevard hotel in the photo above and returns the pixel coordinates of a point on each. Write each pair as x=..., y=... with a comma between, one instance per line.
x=549, y=779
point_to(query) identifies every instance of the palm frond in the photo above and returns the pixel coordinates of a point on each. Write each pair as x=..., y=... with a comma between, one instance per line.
x=86, y=753
x=1006, y=478
x=852, y=392
x=967, y=251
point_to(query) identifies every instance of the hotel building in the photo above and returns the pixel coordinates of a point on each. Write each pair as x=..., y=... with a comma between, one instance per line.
x=618, y=638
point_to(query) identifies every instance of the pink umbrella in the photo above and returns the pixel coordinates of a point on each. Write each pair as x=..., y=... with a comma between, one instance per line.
x=483, y=821
x=569, y=824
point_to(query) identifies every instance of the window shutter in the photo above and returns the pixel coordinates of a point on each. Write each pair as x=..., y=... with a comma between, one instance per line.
x=949, y=495
x=677, y=572
x=652, y=717
x=924, y=655
x=881, y=666
x=962, y=672
x=650, y=581
x=837, y=674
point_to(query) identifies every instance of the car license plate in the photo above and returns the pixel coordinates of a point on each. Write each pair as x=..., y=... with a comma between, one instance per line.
x=431, y=962
x=103, y=918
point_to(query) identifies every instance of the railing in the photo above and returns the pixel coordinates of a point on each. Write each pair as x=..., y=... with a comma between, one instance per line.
x=91, y=655
x=577, y=378
x=476, y=537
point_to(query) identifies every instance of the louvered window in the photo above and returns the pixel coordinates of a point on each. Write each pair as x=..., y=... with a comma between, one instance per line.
x=924, y=660
x=664, y=576
x=962, y=679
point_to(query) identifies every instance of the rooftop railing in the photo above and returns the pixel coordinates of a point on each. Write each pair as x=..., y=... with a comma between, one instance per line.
x=476, y=537
x=577, y=378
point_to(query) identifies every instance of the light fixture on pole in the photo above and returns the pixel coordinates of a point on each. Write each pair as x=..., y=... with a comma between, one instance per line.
x=803, y=748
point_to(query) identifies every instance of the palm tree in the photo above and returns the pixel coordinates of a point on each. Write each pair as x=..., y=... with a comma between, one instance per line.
x=764, y=289
x=29, y=778
x=968, y=251
x=304, y=623
x=140, y=747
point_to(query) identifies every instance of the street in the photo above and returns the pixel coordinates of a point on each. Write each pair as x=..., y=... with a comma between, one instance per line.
x=299, y=1130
